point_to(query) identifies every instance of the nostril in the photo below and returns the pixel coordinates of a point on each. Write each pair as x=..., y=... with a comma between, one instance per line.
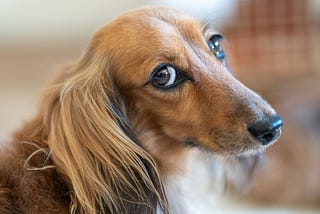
x=266, y=130
x=268, y=136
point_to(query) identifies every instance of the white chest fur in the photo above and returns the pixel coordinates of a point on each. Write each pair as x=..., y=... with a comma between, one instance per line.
x=196, y=188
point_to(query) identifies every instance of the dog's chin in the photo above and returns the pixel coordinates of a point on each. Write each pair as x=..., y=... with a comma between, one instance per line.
x=246, y=149
x=251, y=152
x=253, y=148
x=257, y=147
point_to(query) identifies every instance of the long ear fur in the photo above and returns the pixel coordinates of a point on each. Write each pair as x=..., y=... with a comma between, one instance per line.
x=106, y=169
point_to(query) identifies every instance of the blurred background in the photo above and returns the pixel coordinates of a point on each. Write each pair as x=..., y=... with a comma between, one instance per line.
x=273, y=47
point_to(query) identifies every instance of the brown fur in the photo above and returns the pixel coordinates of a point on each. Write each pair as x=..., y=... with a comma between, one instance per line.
x=105, y=140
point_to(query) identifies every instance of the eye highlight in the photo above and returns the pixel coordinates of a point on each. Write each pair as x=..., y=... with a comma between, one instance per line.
x=167, y=76
x=215, y=45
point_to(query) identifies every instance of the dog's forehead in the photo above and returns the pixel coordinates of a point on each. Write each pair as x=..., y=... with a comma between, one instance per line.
x=151, y=23
x=140, y=40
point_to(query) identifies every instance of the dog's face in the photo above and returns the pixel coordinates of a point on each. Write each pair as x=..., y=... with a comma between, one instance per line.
x=174, y=70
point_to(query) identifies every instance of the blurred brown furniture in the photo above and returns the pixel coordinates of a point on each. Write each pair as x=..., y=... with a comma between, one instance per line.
x=270, y=41
x=274, y=47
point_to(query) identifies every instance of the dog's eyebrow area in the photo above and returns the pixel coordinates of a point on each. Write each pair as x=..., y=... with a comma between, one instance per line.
x=208, y=32
x=184, y=52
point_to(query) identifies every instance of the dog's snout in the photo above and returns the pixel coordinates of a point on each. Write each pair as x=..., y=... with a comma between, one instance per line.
x=266, y=130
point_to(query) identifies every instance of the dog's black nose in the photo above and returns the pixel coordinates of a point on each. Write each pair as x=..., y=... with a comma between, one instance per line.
x=266, y=130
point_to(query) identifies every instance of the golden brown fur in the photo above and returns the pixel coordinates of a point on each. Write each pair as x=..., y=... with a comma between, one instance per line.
x=106, y=141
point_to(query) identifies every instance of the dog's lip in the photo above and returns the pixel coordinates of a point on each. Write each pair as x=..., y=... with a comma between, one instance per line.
x=189, y=142
x=251, y=152
x=252, y=148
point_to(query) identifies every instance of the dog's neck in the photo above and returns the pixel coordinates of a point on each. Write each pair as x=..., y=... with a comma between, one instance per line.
x=196, y=188
x=193, y=180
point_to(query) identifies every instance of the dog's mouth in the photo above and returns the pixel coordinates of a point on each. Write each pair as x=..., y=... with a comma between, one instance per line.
x=229, y=144
x=237, y=139
x=192, y=143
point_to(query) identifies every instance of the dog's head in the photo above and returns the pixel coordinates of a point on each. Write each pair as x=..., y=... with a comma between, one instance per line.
x=173, y=71
x=151, y=70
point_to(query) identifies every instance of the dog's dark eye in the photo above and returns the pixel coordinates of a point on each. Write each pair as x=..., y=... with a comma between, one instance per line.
x=167, y=76
x=216, y=46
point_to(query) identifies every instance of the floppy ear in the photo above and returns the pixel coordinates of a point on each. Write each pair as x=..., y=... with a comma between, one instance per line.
x=94, y=148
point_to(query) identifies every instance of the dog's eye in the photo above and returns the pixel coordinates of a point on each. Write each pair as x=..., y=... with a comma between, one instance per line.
x=167, y=76
x=216, y=46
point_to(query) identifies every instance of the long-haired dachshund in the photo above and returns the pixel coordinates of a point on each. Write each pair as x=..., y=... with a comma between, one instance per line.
x=124, y=129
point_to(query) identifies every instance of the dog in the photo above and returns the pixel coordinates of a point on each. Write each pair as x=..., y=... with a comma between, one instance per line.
x=125, y=129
